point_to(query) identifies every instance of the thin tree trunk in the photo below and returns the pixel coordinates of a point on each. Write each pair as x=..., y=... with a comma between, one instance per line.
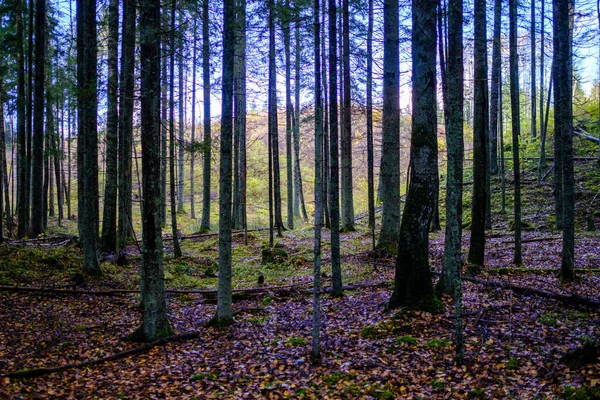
x=453, y=104
x=542, y=164
x=533, y=74
x=22, y=160
x=370, y=155
x=174, y=232
x=334, y=210
x=37, y=188
x=58, y=156
x=346, y=134
x=288, y=117
x=164, y=121
x=108, y=243
x=316, y=323
x=180, y=141
x=563, y=128
x=495, y=92
x=325, y=112
x=205, y=222
x=480, y=127
x=516, y=126
x=239, y=127
x=299, y=204
x=193, y=130
x=126, y=125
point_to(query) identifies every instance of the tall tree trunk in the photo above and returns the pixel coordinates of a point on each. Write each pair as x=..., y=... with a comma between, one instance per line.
x=155, y=322
x=2, y=163
x=224, y=315
x=542, y=163
x=126, y=124
x=346, y=135
x=273, y=127
x=239, y=127
x=299, y=204
x=370, y=153
x=316, y=323
x=164, y=121
x=37, y=189
x=87, y=149
x=205, y=222
x=502, y=168
x=193, y=130
x=22, y=160
x=390, y=153
x=58, y=156
x=174, y=231
x=412, y=284
x=334, y=188
x=68, y=183
x=180, y=141
x=533, y=74
x=453, y=105
x=495, y=92
x=288, y=116
x=480, y=128
x=108, y=243
x=516, y=125
x=563, y=128
x=325, y=112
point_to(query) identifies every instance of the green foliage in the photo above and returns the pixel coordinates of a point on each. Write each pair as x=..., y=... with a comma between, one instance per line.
x=437, y=343
x=513, y=363
x=437, y=384
x=581, y=393
x=380, y=329
x=267, y=300
x=406, y=340
x=478, y=393
x=211, y=376
x=295, y=341
x=273, y=256
x=547, y=319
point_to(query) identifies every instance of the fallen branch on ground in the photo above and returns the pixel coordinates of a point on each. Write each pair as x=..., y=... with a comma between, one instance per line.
x=33, y=373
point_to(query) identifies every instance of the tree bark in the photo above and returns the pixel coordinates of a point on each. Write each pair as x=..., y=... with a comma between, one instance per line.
x=108, y=242
x=370, y=155
x=193, y=127
x=87, y=143
x=181, y=109
x=516, y=126
x=480, y=128
x=334, y=207
x=453, y=104
x=533, y=74
x=412, y=284
x=239, y=127
x=288, y=115
x=346, y=134
x=495, y=92
x=563, y=127
x=390, y=154
x=205, y=222
x=126, y=124
x=155, y=323
x=22, y=160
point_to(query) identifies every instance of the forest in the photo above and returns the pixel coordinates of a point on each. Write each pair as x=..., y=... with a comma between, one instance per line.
x=377, y=199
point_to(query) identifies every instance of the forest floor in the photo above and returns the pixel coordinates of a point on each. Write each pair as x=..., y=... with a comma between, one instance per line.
x=516, y=342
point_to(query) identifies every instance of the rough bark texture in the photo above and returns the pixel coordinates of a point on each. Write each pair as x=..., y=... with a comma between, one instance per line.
x=22, y=160
x=413, y=287
x=126, y=122
x=533, y=74
x=495, y=92
x=205, y=222
x=181, y=109
x=516, y=124
x=239, y=127
x=480, y=129
x=453, y=104
x=87, y=149
x=37, y=167
x=224, y=314
x=334, y=188
x=370, y=156
x=299, y=204
x=542, y=163
x=316, y=323
x=346, y=134
x=563, y=128
x=288, y=117
x=108, y=243
x=155, y=323
x=390, y=153
x=193, y=125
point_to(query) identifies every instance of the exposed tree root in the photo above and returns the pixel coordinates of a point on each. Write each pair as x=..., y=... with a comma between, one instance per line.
x=33, y=373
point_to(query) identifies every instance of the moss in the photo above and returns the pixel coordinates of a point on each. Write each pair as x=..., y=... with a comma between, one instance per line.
x=139, y=336
x=274, y=256
x=216, y=322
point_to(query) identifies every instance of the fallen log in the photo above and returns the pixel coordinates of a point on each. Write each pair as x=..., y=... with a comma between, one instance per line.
x=36, y=372
x=565, y=298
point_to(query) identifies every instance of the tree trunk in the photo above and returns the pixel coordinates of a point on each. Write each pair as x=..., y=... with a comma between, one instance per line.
x=495, y=92
x=155, y=323
x=346, y=135
x=239, y=127
x=370, y=155
x=37, y=188
x=87, y=144
x=193, y=130
x=164, y=121
x=205, y=222
x=174, y=231
x=316, y=323
x=516, y=125
x=181, y=109
x=22, y=160
x=224, y=314
x=126, y=124
x=480, y=128
x=412, y=284
x=563, y=128
x=288, y=115
x=299, y=204
x=533, y=75
x=390, y=153
x=542, y=163
x=325, y=112
x=334, y=189
x=453, y=105
x=58, y=156
x=273, y=127
x=108, y=242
